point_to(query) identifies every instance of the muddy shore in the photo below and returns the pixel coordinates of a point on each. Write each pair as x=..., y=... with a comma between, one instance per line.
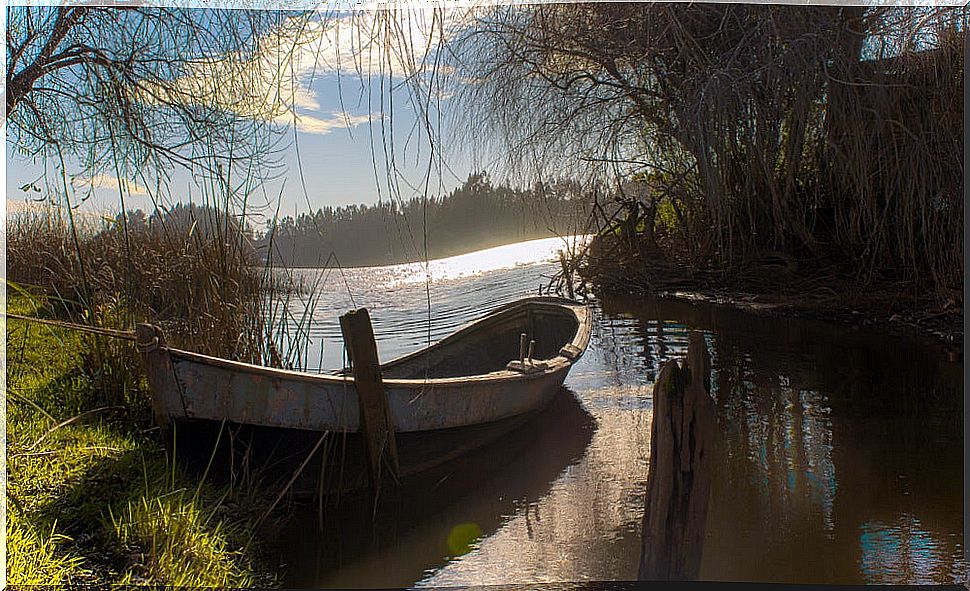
x=877, y=307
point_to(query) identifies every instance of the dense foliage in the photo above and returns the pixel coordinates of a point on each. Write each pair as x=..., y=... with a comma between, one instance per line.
x=831, y=137
x=474, y=216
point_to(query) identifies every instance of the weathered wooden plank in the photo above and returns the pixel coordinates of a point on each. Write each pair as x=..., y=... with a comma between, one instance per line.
x=376, y=423
x=680, y=473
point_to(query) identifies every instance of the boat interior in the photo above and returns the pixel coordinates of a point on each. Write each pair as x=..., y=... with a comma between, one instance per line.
x=490, y=344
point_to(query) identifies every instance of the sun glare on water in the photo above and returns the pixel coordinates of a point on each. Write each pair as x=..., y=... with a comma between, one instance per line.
x=480, y=262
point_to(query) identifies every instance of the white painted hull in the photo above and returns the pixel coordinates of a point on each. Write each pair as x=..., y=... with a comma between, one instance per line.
x=187, y=385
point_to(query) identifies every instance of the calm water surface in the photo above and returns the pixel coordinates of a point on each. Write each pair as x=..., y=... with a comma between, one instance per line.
x=839, y=452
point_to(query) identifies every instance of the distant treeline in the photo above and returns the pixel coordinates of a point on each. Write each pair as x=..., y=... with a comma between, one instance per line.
x=474, y=216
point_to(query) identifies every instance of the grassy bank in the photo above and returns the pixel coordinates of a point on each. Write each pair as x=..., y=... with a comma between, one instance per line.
x=93, y=498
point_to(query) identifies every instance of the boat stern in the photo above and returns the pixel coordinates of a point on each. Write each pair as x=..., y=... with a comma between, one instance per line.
x=167, y=404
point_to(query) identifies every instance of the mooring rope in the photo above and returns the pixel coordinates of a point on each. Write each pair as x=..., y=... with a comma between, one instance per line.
x=128, y=335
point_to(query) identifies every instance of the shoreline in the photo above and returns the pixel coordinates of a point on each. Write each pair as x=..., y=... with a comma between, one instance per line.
x=939, y=330
x=95, y=498
x=880, y=307
x=936, y=330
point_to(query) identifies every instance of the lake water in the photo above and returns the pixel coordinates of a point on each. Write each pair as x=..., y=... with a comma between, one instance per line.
x=839, y=452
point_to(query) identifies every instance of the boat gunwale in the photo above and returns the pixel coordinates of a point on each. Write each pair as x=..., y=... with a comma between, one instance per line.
x=554, y=364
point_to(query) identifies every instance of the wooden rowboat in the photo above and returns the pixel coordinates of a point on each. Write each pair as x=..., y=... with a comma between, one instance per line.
x=473, y=377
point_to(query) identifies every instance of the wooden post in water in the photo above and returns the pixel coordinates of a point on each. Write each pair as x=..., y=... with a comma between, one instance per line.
x=376, y=424
x=679, y=478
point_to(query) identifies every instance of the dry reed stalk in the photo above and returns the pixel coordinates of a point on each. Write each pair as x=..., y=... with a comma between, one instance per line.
x=749, y=129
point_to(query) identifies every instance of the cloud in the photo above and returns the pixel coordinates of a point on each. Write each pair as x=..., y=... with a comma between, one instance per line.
x=377, y=43
x=320, y=125
x=274, y=81
x=106, y=181
x=305, y=99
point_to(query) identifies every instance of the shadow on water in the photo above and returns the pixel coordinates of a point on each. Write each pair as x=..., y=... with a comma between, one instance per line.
x=439, y=515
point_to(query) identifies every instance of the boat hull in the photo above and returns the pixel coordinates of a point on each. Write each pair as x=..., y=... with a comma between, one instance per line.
x=254, y=398
x=191, y=386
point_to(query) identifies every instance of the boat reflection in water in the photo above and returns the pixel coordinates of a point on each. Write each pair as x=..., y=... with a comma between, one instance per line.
x=442, y=513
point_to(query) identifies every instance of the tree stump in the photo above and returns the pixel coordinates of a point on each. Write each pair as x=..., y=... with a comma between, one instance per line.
x=680, y=473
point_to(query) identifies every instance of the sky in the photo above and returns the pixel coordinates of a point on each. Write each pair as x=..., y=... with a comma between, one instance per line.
x=338, y=132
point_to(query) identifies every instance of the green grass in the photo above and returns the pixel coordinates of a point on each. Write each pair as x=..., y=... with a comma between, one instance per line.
x=32, y=556
x=97, y=500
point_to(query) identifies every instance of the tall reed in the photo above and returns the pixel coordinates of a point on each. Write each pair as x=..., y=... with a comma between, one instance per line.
x=191, y=270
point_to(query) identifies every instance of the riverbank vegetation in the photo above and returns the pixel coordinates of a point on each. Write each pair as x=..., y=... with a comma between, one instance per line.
x=92, y=496
x=192, y=270
x=803, y=154
x=121, y=94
